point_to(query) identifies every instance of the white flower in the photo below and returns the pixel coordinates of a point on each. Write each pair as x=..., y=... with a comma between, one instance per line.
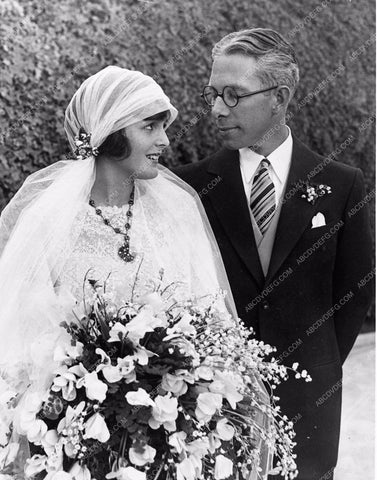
x=199, y=447
x=31, y=426
x=114, y=373
x=223, y=467
x=95, y=388
x=80, y=472
x=140, y=397
x=214, y=442
x=177, y=441
x=183, y=326
x=224, y=430
x=127, y=473
x=228, y=384
x=71, y=415
x=117, y=332
x=49, y=441
x=142, y=355
x=111, y=373
x=164, y=412
x=176, y=383
x=143, y=323
x=70, y=425
x=126, y=367
x=8, y=454
x=186, y=347
x=66, y=380
x=34, y=465
x=207, y=405
x=189, y=469
x=95, y=427
x=206, y=373
x=141, y=458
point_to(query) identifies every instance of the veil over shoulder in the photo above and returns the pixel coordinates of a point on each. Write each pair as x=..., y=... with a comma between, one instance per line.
x=172, y=233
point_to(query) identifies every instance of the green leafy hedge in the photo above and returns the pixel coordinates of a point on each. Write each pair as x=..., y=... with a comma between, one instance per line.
x=48, y=47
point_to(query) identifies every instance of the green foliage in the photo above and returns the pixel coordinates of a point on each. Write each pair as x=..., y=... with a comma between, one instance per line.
x=48, y=48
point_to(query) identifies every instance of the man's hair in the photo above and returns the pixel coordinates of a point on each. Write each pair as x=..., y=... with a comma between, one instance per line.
x=276, y=59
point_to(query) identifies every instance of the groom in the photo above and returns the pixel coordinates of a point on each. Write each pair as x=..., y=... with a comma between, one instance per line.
x=293, y=230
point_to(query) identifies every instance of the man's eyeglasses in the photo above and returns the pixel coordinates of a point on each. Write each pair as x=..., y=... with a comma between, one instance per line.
x=229, y=95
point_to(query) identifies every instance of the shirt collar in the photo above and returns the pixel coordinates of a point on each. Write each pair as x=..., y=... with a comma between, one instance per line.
x=280, y=160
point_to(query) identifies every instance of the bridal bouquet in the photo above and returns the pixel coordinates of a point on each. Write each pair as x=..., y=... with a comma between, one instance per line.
x=157, y=389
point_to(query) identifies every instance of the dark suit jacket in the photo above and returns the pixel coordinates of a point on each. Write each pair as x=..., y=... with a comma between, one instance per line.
x=314, y=299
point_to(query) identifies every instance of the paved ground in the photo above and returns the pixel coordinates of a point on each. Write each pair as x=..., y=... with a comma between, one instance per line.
x=356, y=450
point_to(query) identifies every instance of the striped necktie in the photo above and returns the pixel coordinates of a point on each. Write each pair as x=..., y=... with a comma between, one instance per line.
x=262, y=198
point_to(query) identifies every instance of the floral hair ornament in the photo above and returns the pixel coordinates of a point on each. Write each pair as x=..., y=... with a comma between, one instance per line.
x=84, y=149
x=311, y=192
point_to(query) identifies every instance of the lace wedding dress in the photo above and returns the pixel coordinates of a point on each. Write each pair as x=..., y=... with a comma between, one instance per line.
x=95, y=253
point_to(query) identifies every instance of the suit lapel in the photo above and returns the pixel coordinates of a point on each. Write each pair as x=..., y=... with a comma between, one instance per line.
x=229, y=202
x=296, y=211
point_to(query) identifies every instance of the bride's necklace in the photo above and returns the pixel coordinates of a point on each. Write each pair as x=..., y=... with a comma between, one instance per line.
x=124, y=250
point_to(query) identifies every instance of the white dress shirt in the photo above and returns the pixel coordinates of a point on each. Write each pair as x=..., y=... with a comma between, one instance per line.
x=280, y=162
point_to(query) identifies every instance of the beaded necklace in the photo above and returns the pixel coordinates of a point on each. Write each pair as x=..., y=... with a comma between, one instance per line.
x=124, y=250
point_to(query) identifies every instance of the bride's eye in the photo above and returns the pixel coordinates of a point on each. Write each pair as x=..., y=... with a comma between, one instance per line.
x=149, y=127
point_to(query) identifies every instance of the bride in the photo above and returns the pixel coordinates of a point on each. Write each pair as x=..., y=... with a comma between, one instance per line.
x=113, y=213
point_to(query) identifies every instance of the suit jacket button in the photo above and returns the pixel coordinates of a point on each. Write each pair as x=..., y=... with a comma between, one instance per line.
x=265, y=305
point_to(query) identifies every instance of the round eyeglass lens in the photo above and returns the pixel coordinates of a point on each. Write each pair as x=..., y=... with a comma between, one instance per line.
x=210, y=95
x=230, y=96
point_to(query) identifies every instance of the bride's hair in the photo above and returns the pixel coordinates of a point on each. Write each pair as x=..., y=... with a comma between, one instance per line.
x=117, y=144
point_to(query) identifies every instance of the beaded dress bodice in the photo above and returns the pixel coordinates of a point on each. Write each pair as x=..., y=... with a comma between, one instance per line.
x=95, y=253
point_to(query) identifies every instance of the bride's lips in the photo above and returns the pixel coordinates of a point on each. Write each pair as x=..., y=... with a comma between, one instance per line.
x=153, y=158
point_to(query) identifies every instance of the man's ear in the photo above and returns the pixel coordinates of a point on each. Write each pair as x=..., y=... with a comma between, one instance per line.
x=282, y=97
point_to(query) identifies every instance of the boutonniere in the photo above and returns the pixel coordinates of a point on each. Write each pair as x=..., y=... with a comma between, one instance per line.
x=312, y=192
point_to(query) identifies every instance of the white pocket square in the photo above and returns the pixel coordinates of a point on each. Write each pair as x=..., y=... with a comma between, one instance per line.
x=318, y=220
